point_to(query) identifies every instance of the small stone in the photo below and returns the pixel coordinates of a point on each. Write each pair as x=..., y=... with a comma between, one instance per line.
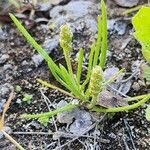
x=18, y=101
x=117, y=25
x=4, y=58
x=5, y=90
x=8, y=66
x=24, y=63
x=120, y=27
x=127, y=3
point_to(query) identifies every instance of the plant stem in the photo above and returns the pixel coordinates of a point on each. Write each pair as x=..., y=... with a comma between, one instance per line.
x=135, y=98
x=12, y=140
x=114, y=77
x=68, y=62
x=89, y=70
x=104, y=35
x=131, y=10
x=44, y=83
x=80, y=62
x=123, y=108
x=93, y=102
x=51, y=113
x=98, y=42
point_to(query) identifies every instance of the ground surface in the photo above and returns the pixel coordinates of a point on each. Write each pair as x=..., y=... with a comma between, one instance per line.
x=21, y=65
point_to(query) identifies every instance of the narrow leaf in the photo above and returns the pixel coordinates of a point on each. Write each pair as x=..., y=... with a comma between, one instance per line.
x=98, y=42
x=104, y=35
x=80, y=62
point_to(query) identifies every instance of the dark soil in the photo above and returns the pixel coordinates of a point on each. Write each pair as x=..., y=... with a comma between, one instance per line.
x=121, y=131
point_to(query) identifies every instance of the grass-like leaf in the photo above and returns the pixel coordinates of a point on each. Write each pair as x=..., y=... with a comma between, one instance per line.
x=90, y=62
x=33, y=42
x=104, y=35
x=80, y=62
x=98, y=42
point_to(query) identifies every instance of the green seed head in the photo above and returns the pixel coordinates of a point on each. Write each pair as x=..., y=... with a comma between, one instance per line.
x=65, y=37
x=96, y=81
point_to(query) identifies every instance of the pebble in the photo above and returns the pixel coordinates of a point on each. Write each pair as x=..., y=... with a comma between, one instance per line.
x=5, y=90
x=7, y=66
x=127, y=3
x=4, y=58
x=118, y=26
x=18, y=101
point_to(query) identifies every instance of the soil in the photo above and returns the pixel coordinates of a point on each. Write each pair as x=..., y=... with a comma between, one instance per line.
x=120, y=131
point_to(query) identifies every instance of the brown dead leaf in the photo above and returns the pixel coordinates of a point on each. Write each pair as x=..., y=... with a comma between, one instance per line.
x=108, y=99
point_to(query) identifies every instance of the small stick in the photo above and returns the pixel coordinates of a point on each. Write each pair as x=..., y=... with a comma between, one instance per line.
x=12, y=140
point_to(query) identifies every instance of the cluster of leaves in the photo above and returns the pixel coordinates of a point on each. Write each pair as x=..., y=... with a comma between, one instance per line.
x=141, y=23
x=27, y=98
x=86, y=91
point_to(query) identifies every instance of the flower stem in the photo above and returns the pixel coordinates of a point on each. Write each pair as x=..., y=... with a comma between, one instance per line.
x=123, y=108
x=51, y=113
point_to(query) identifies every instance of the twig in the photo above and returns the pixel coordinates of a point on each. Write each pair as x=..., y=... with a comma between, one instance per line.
x=45, y=99
x=32, y=133
x=129, y=132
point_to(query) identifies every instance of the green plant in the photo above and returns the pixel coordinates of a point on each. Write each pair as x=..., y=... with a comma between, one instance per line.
x=88, y=90
x=147, y=113
x=141, y=23
x=18, y=88
x=27, y=98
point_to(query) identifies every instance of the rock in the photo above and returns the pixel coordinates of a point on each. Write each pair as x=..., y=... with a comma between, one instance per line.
x=127, y=3
x=4, y=58
x=74, y=13
x=8, y=66
x=48, y=45
x=5, y=90
x=118, y=26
